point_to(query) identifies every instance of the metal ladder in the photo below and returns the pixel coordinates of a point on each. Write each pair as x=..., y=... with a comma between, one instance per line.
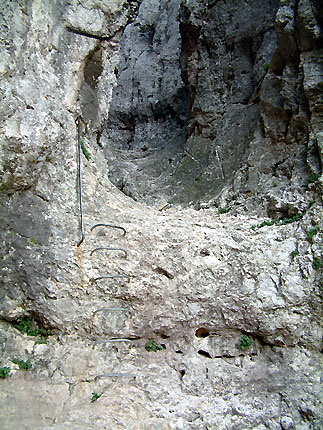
x=98, y=249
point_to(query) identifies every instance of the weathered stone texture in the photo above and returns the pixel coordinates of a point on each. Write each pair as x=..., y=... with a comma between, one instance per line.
x=212, y=104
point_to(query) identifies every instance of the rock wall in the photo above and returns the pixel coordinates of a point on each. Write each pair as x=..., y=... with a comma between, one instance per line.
x=210, y=104
x=214, y=105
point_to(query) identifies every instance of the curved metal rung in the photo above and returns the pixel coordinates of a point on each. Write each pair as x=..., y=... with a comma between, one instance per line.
x=110, y=309
x=130, y=375
x=109, y=225
x=111, y=277
x=82, y=239
x=113, y=340
x=107, y=248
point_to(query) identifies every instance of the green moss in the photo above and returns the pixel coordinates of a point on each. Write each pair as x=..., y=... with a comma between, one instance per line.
x=266, y=67
x=294, y=254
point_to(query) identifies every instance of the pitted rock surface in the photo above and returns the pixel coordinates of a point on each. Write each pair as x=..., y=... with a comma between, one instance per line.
x=203, y=121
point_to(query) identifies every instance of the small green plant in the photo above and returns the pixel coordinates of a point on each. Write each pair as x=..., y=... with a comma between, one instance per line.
x=33, y=241
x=266, y=67
x=223, y=210
x=85, y=151
x=275, y=184
x=311, y=203
x=312, y=232
x=4, y=372
x=294, y=254
x=152, y=345
x=267, y=223
x=317, y=263
x=313, y=177
x=284, y=221
x=95, y=396
x=31, y=327
x=23, y=365
x=244, y=343
x=294, y=218
x=278, y=240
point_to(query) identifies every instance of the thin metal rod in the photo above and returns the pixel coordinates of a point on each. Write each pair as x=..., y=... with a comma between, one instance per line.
x=110, y=249
x=130, y=375
x=110, y=309
x=219, y=160
x=111, y=277
x=109, y=225
x=113, y=340
x=80, y=178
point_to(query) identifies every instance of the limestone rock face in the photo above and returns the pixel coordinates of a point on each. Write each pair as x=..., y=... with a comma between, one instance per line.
x=206, y=86
x=201, y=317
x=182, y=114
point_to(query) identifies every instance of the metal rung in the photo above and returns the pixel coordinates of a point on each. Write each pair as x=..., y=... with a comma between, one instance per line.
x=110, y=309
x=113, y=340
x=130, y=375
x=111, y=277
x=107, y=248
x=109, y=225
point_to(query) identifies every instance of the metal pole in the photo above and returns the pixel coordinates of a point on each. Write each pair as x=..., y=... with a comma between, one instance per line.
x=80, y=178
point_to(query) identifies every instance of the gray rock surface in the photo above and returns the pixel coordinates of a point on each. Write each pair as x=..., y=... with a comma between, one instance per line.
x=185, y=116
x=159, y=81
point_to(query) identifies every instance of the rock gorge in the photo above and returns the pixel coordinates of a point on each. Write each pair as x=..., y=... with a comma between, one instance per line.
x=201, y=129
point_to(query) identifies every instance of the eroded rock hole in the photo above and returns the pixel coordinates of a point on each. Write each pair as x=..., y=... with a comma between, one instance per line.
x=164, y=272
x=204, y=353
x=93, y=67
x=202, y=332
x=182, y=372
x=88, y=95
